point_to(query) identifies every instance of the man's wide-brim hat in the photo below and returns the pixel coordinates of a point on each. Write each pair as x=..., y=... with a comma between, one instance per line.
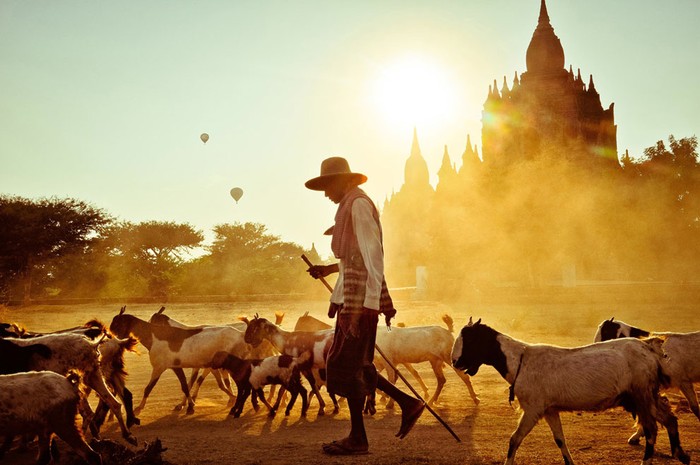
x=332, y=170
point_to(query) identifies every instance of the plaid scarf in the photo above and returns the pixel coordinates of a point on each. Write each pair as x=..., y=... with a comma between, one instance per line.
x=342, y=231
x=344, y=246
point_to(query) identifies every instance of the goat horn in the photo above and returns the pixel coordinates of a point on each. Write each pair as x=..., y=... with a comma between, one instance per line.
x=162, y=309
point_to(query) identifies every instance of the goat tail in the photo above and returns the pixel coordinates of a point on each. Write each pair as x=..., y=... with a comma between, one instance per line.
x=129, y=343
x=447, y=319
x=656, y=344
x=75, y=377
x=95, y=323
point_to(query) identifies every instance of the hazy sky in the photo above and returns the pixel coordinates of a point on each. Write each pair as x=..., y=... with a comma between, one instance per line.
x=105, y=101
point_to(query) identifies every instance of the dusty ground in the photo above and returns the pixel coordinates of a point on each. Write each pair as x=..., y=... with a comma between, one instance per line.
x=211, y=437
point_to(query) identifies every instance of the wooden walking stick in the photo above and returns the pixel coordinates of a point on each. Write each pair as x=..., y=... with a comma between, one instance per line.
x=391, y=365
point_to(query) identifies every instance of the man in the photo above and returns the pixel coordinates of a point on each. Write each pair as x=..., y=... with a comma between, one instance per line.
x=359, y=296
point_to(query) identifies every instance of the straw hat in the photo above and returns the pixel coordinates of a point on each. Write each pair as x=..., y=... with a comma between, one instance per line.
x=332, y=169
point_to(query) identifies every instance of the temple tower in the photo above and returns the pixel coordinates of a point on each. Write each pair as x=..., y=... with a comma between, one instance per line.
x=546, y=105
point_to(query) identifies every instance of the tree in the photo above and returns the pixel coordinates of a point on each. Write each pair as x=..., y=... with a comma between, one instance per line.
x=32, y=232
x=671, y=177
x=246, y=259
x=154, y=250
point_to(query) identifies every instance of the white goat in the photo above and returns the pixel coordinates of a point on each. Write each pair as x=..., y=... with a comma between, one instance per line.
x=73, y=352
x=177, y=348
x=43, y=403
x=681, y=360
x=416, y=344
x=307, y=322
x=548, y=379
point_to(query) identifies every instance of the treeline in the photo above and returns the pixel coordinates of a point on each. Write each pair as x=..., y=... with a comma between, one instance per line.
x=67, y=248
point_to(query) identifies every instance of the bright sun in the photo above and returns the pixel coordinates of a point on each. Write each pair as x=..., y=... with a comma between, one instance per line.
x=412, y=90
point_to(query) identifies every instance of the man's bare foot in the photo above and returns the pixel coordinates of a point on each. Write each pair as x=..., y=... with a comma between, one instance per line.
x=345, y=446
x=409, y=416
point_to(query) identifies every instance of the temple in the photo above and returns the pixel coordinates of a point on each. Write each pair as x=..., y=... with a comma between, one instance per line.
x=546, y=115
x=546, y=103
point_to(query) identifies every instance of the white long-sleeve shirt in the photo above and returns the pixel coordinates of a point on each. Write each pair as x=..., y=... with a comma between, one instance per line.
x=369, y=239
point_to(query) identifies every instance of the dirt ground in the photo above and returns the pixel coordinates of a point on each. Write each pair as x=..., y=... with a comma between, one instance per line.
x=211, y=437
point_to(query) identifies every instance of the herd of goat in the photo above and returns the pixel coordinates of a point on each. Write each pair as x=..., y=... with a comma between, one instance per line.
x=45, y=378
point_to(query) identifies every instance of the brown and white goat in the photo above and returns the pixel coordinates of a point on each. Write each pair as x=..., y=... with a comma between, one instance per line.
x=252, y=375
x=43, y=403
x=295, y=343
x=177, y=348
x=264, y=350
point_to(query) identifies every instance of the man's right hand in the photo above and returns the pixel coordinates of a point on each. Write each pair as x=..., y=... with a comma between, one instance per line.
x=321, y=271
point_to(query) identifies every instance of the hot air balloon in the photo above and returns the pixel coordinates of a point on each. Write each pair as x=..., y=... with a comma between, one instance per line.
x=204, y=137
x=236, y=193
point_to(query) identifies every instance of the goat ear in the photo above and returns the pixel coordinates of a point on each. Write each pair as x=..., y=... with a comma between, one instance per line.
x=162, y=309
x=477, y=322
x=244, y=319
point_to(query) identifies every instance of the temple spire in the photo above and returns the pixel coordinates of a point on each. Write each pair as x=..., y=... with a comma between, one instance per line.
x=591, y=87
x=545, y=53
x=446, y=169
x=504, y=90
x=415, y=148
x=416, y=169
x=544, y=16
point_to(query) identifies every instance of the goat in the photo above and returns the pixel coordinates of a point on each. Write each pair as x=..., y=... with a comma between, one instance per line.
x=43, y=403
x=264, y=350
x=295, y=343
x=67, y=352
x=251, y=375
x=309, y=323
x=10, y=330
x=681, y=362
x=415, y=344
x=177, y=348
x=160, y=318
x=548, y=379
x=112, y=365
x=610, y=329
x=404, y=346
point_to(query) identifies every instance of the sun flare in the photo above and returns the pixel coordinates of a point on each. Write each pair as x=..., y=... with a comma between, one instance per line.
x=413, y=90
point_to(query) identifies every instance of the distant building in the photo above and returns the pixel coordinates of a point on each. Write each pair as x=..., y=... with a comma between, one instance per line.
x=547, y=106
x=547, y=103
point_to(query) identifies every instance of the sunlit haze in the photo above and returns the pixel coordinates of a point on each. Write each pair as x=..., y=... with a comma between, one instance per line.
x=105, y=101
x=413, y=91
